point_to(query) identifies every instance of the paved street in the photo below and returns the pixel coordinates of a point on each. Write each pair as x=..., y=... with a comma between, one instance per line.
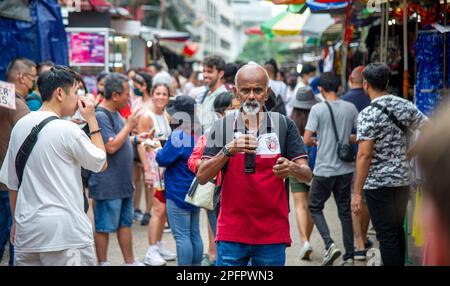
x=140, y=243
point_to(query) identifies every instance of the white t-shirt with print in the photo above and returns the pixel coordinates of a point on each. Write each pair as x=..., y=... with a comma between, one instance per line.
x=49, y=210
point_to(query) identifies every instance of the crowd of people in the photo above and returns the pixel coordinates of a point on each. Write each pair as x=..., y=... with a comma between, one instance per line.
x=256, y=136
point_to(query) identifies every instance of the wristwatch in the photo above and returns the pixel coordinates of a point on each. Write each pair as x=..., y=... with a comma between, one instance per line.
x=226, y=151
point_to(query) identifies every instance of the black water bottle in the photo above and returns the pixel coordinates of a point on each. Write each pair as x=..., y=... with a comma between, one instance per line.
x=250, y=162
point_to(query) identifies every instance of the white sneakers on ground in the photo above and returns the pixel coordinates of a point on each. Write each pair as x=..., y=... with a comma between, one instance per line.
x=164, y=252
x=305, y=251
x=104, y=263
x=135, y=263
x=153, y=257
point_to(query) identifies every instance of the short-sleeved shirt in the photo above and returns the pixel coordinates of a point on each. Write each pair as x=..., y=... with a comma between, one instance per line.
x=116, y=182
x=254, y=207
x=207, y=112
x=49, y=209
x=358, y=97
x=8, y=118
x=389, y=166
x=328, y=163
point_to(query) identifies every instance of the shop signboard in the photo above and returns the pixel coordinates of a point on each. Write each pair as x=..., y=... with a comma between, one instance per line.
x=7, y=95
x=87, y=49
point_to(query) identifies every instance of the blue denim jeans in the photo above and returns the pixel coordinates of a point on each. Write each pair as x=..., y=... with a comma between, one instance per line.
x=110, y=215
x=185, y=225
x=212, y=219
x=240, y=254
x=5, y=226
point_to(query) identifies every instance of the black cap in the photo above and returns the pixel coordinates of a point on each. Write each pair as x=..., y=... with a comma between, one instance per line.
x=182, y=103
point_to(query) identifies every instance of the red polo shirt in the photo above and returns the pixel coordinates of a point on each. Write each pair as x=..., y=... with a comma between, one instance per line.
x=254, y=207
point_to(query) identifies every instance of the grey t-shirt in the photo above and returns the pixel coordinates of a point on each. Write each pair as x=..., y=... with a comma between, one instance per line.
x=346, y=116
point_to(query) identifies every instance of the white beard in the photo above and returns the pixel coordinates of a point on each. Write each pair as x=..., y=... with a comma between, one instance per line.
x=251, y=107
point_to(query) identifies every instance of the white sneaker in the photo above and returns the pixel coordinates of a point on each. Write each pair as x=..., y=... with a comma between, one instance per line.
x=306, y=250
x=331, y=254
x=153, y=258
x=135, y=263
x=165, y=253
x=104, y=263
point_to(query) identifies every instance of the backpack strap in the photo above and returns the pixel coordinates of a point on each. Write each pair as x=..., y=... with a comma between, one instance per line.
x=392, y=117
x=281, y=131
x=204, y=96
x=27, y=146
x=108, y=113
x=333, y=121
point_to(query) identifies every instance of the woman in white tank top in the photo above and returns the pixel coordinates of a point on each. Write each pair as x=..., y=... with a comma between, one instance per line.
x=156, y=118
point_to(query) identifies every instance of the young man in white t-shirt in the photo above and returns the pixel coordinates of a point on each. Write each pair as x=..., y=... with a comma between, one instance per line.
x=49, y=225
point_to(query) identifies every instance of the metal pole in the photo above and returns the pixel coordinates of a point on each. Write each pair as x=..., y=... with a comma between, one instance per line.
x=444, y=84
x=383, y=13
x=405, y=50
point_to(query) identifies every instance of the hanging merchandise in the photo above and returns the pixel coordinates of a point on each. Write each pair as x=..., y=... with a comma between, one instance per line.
x=328, y=60
x=15, y=9
x=429, y=58
x=417, y=227
x=44, y=38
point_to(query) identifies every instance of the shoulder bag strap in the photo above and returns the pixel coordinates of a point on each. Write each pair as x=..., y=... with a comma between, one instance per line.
x=333, y=121
x=27, y=147
x=108, y=113
x=391, y=116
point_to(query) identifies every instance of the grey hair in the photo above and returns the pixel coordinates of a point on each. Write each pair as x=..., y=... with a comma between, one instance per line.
x=114, y=83
x=253, y=65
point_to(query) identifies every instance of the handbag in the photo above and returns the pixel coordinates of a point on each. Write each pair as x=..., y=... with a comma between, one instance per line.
x=202, y=196
x=345, y=151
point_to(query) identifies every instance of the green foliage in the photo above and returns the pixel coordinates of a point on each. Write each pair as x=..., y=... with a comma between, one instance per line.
x=260, y=50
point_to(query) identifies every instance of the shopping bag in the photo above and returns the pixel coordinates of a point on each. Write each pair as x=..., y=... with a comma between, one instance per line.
x=202, y=196
x=417, y=231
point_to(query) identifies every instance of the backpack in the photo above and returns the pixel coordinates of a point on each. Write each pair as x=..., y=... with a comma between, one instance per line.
x=281, y=133
x=275, y=103
x=86, y=174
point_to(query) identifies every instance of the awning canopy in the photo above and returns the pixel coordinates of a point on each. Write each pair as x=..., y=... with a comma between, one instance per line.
x=149, y=33
x=318, y=6
x=293, y=24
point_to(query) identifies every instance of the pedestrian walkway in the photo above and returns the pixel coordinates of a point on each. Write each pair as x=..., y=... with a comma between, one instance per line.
x=140, y=243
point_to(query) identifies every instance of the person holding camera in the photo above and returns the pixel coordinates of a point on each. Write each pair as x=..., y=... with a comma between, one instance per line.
x=256, y=151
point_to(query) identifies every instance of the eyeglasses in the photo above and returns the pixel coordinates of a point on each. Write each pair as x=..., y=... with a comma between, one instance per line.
x=34, y=76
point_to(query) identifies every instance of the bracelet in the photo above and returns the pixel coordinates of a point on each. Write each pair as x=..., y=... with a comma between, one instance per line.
x=135, y=139
x=96, y=131
x=227, y=152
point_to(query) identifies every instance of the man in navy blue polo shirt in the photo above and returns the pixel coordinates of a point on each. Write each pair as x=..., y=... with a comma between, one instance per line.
x=361, y=100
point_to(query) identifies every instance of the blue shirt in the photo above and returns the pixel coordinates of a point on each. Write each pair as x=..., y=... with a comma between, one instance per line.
x=361, y=100
x=116, y=182
x=34, y=101
x=177, y=177
x=358, y=98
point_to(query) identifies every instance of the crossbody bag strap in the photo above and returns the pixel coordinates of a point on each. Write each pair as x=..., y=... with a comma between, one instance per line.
x=391, y=116
x=27, y=146
x=108, y=113
x=333, y=121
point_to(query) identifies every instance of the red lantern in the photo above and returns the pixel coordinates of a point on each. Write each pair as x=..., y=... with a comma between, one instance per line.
x=190, y=49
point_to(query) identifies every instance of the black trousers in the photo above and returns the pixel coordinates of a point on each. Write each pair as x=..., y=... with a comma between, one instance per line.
x=387, y=208
x=320, y=192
